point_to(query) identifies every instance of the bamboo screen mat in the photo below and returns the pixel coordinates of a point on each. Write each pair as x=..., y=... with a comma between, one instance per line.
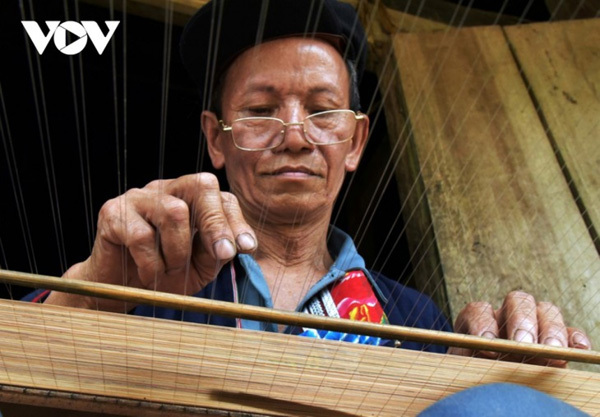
x=159, y=361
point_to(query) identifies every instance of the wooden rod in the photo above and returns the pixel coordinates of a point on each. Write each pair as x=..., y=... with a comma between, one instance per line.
x=244, y=311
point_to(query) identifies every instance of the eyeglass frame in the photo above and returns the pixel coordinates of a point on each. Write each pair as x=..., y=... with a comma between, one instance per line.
x=226, y=128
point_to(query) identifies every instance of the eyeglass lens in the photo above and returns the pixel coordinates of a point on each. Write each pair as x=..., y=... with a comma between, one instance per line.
x=320, y=128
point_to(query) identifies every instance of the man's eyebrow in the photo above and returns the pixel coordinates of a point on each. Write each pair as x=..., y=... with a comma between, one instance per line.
x=260, y=88
x=324, y=89
x=268, y=88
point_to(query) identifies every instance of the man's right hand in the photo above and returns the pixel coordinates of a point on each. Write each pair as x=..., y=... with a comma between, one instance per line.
x=172, y=236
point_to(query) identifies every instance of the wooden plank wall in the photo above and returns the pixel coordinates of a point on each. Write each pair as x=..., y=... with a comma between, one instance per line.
x=500, y=162
x=562, y=64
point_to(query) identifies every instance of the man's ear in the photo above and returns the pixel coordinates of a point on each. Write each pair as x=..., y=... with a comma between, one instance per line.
x=210, y=127
x=359, y=141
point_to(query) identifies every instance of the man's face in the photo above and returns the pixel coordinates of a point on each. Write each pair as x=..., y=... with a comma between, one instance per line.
x=288, y=79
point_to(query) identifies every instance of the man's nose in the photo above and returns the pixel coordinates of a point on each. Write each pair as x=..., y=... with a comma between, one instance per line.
x=294, y=138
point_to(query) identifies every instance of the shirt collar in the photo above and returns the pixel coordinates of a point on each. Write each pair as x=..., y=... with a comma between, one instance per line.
x=254, y=289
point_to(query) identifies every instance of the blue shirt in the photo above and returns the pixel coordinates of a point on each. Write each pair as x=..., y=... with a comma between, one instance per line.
x=242, y=281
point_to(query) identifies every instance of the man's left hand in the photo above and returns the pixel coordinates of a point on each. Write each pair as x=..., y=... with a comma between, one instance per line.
x=521, y=319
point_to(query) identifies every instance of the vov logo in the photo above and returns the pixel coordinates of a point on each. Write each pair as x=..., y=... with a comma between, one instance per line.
x=81, y=31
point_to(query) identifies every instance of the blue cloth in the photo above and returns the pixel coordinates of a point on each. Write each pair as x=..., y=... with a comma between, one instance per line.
x=402, y=305
x=499, y=400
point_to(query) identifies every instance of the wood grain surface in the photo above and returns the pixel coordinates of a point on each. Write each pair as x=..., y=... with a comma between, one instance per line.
x=502, y=212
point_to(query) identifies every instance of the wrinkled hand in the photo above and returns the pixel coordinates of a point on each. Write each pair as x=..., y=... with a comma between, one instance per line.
x=171, y=235
x=521, y=319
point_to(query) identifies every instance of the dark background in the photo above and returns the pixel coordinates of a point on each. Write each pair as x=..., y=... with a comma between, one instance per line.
x=77, y=131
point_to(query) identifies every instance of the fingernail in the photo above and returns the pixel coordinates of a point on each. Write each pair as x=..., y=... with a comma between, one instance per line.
x=523, y=336
x=488, y=335
x=245, y=241
x=552, y=341
x=224, y=249
x=579, y=341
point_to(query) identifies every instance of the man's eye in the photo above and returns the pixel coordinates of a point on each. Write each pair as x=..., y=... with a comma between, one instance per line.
x=318, y=110
x=260, y=111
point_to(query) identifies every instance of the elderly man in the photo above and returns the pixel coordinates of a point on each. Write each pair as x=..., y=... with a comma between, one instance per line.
x=284, y=124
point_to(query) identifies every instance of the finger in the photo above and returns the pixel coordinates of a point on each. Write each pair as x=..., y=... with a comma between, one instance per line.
x=552, y=332
x=201, y=192
x=552, y=329
x=578, y=339
x=518, y=317
x=119, y=223
x=244, y=235
x=170, y=216
x=477, y=319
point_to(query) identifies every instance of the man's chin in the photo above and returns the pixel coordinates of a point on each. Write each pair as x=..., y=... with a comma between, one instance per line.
x=296, y=205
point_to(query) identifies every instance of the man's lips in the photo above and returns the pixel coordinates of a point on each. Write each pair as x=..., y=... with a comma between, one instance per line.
x=298, y=171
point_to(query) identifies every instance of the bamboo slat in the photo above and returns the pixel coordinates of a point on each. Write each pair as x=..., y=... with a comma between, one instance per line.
x=501, y=210
x=161, y=361
x=561, y=63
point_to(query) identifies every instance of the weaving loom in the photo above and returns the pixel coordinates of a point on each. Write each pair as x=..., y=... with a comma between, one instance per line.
x=493, y=143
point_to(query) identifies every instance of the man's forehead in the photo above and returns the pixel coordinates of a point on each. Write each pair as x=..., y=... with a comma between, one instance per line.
x=291, y=68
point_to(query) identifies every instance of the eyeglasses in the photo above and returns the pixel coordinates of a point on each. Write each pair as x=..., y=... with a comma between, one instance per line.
x=324, y=128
